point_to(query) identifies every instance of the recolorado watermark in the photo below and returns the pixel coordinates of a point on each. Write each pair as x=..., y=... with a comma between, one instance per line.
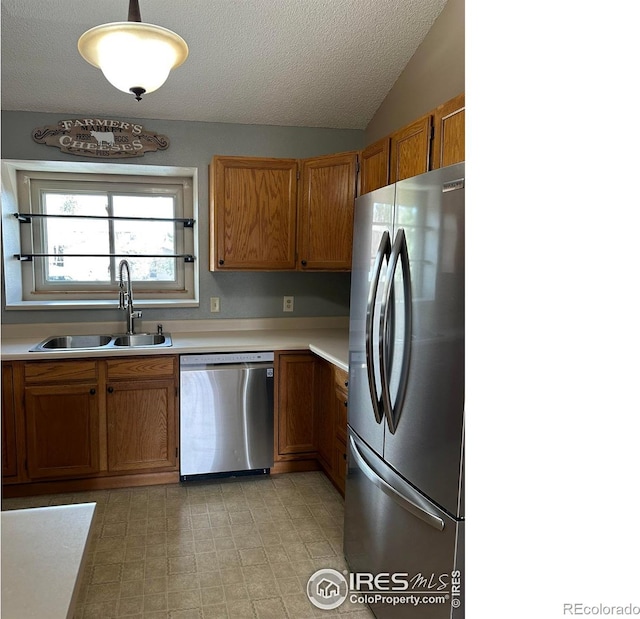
x=327, y=588
x=605, y=610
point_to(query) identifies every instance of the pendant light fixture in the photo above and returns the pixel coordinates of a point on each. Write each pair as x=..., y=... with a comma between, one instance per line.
x=134, y=56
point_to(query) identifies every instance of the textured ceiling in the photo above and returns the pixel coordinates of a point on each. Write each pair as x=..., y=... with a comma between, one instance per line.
x=314, y=63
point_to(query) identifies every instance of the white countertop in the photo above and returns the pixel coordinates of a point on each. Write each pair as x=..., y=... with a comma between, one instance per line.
x=328, y=338
x=43, y=552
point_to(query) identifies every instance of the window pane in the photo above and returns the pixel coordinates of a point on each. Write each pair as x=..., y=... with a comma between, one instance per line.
x=146, y=237
x=76, y=236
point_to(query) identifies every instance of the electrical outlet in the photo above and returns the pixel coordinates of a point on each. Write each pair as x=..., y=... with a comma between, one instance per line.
x=215, y=304
x=287, y=305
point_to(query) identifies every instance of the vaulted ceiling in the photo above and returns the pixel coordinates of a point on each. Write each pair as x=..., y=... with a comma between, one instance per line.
x=314, y=63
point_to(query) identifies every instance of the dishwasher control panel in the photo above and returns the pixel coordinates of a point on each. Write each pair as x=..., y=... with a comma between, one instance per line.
x=226, y=357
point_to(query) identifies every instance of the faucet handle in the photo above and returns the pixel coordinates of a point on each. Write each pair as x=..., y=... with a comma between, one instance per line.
x=159, y=329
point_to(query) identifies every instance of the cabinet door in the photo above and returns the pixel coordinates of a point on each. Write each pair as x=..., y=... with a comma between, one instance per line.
x=141, y=425
x=295, y=404
x=448, y=141
x=253, y=213
x=410, y=149
x=325, y=213
x=62, y=430
x=9, y=444
x=374, y=166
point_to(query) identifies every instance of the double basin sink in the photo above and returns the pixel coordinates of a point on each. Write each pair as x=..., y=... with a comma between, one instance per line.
x=103, y=342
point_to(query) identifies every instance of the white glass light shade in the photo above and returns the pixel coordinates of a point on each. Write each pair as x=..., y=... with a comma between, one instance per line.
x=133, y=54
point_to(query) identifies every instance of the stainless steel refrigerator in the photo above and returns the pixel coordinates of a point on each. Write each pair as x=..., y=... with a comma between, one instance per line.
x=404, y=498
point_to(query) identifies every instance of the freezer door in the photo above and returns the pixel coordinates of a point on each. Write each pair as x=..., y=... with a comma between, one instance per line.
x=371, y=248
x=424, y=444
x=392, y=529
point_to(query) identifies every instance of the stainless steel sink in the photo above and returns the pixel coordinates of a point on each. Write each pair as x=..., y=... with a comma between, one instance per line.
x=75, y=341
x=141, y=339
x=103, y=342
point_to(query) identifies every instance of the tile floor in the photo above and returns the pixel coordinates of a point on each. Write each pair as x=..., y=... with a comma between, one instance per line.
x=232, y=549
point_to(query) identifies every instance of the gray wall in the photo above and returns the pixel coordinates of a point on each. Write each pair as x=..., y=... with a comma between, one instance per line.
x=192, y=144
x=434, y=75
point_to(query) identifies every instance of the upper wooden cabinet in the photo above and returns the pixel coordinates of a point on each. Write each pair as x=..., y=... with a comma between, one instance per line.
x=448, y=140
x=410, y=149
x=253, y=213
x=433, y=141
x=261, y=221
x=374, y=166
x=325, y=212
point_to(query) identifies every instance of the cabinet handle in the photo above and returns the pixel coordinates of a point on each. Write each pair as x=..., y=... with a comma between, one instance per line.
x=303, y=263
x=92, y=391
x=110, y=389
x=345, y=402
x=346, y=383
x=221, y=262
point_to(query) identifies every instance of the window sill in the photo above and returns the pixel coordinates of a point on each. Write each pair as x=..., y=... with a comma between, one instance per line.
x=96, y=304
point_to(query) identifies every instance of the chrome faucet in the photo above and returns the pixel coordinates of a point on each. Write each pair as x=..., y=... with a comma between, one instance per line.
x=126, y=297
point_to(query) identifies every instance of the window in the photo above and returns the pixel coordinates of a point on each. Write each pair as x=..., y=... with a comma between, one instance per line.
x=75, y=228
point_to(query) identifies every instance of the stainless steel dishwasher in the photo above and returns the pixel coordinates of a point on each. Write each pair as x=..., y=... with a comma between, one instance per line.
x=226, y=414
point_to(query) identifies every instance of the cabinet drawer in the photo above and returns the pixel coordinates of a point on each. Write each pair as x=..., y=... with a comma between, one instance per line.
x=141, y=367
x=341, y=378
x=39, y=372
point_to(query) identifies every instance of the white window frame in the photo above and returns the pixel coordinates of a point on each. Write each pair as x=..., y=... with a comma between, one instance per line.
x=17, y=196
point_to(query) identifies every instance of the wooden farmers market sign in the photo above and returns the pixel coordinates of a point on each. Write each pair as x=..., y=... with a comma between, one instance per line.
x=101, y=138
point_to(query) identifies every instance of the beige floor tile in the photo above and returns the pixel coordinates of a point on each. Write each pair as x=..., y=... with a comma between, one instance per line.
x=271, y=608
x=225, y=549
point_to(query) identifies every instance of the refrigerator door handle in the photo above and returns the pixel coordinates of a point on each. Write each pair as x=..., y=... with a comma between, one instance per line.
x=383, y=252
x=389, y=490
x=399, y=253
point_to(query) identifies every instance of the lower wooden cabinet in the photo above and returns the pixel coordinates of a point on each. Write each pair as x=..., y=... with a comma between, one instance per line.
x=140, y=425
x=296, y=384
x=83, y=422
x=9, y=437
x=341, y=401
x=326, y=417
x=311, y=414
x=62, y=429
x=142, y=415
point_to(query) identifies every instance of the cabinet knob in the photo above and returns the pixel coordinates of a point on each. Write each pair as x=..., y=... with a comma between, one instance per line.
x=346, y=383
x=92, y=391
x=345, y=402
x=221, y=262
x=303, y=263
x=110, y=389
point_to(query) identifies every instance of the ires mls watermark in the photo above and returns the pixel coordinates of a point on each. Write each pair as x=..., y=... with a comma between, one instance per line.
x=327, y=588
x=580, y=609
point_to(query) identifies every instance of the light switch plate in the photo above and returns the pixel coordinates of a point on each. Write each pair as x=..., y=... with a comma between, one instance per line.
x=215, y=304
